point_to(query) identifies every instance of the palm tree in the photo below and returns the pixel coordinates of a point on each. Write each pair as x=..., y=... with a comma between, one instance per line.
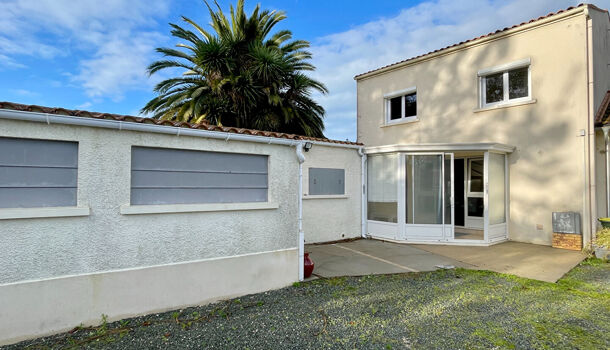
x=239, y=75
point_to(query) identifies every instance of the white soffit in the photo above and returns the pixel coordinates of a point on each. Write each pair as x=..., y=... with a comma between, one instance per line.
x=442, y=147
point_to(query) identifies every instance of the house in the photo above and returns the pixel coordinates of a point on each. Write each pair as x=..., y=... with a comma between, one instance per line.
x=481, y=141
x=473, y=144
x=123, y=216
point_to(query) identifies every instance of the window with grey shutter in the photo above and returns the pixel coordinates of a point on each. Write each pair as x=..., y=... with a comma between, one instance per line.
x=37, y=173
x=326, y=181
x=171, y=176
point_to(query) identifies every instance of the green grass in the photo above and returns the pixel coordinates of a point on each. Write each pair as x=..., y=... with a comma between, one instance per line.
x=446, y=309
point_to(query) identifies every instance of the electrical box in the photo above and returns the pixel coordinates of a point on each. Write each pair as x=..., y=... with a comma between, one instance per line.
x=566, y=222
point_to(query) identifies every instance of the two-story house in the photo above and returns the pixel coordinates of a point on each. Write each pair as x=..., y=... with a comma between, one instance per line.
x=482, y=141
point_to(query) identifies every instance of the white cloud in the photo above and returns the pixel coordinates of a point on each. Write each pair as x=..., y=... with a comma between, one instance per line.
x=114, y=40
x=428, y=26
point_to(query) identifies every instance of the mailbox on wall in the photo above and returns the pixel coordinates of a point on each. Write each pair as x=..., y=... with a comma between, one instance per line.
x=566, y=222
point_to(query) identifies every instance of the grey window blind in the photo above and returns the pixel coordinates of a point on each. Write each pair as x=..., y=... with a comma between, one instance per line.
x=326, y=181
x=170, y=176
x=37, y=173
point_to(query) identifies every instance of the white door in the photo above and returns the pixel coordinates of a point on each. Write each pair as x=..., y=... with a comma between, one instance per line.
x=475, y=185
x=427, y=197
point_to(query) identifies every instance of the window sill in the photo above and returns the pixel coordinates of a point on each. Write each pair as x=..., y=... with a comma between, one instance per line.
x=194, y=208
x=414, y=120
x=42, y=212
x=505, y=105
x=326, y=196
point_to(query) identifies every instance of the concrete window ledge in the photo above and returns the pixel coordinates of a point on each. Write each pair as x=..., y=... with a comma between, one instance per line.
x=194, y=208
x=504, y=105
x=327, y=196
x=45, y=212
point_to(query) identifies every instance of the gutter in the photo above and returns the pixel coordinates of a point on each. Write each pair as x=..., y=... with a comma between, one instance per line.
x=160, y=129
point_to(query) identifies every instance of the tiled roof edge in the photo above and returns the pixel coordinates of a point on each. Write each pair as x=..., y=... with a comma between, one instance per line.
x=143, y=120
x=361, y=75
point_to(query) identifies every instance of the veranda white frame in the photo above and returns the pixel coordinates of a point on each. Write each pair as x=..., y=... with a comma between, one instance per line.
x=397, y=231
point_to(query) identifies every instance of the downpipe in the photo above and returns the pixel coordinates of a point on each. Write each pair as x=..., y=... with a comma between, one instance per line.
x=301, y=243
x=363, y=204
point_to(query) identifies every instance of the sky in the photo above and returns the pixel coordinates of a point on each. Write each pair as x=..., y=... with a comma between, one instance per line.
x=92, y=54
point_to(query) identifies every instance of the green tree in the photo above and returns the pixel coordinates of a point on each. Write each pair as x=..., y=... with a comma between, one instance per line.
x=239, y=75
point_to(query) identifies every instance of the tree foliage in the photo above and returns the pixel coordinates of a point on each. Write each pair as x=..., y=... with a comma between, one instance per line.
x=239, y=74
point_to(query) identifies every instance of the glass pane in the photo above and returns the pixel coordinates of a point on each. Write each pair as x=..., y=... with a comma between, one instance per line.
x=476, y=175
x=396, y=108
x=411, y=105
x=382, y=188
x=427, y=187
x=517, y=83
x=494, y=88
x=497, y=213
x=409, y=189
x=475, y=206
x=447, y=189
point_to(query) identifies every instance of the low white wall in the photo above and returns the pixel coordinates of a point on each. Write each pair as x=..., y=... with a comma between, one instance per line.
x=107, y=240
x=331, y=218
x=37, y=308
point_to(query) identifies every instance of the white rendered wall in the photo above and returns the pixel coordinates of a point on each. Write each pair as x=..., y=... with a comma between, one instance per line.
x=107, y=240
x=332, y=218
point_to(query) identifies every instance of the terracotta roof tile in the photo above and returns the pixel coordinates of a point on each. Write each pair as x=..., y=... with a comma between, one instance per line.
x=133, y=119
x=479, y=37
x=602, y=117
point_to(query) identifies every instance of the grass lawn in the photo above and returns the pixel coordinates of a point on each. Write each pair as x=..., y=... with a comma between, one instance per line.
x=448, y=309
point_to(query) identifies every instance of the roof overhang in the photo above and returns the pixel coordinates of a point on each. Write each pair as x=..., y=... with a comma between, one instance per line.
x=442, y=147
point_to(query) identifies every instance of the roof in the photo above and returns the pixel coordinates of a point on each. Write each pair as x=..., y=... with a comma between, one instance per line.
x=177, y=124
x=602, y=117
x=499, y=31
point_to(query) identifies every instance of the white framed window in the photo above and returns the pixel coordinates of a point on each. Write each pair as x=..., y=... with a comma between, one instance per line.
x=506, y=84
x=401, y=106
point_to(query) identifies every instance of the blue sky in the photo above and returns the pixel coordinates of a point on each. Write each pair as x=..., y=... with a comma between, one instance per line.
x=92, y=55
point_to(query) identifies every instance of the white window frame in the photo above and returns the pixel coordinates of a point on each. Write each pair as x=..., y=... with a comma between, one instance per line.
x=505, y=69
x=400, y=93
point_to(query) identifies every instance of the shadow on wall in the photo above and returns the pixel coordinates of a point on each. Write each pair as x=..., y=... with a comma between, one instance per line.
x=546, y=169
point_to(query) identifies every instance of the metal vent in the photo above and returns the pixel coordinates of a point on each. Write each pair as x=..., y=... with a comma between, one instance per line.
x=566, y=222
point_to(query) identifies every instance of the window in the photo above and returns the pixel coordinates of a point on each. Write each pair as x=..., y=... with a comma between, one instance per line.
x=401, y=106
x=325, y=181
x=475, y=187
x=171, y=176
x=37, y=173
x=505, y=84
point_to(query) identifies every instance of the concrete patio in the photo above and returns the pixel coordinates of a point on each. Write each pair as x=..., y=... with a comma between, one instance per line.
x=367, y=256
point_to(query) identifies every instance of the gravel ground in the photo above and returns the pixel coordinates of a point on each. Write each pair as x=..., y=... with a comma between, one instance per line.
x=449, y=309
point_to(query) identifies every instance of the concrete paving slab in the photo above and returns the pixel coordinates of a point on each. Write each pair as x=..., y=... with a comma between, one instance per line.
x=365, y=257
x=538, y=262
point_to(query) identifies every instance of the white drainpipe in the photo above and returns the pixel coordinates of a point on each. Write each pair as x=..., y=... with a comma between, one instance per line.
x=363, y=213
x=301, y=159
x=605, y=129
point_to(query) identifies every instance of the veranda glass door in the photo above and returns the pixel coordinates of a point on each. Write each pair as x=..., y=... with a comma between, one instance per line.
x=427, y=199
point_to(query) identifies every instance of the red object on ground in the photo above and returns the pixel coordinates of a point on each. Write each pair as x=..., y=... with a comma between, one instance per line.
x=308, y=265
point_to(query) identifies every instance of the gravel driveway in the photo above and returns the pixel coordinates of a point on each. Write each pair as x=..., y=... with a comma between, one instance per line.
x=448, y=309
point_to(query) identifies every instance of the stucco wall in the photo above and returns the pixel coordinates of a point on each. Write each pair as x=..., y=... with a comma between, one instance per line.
x=106, y=240
x=338, y=217
x=546, y=170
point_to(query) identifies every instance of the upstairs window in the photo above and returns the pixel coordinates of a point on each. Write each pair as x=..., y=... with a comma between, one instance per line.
x=401, y=106
x=505, y=84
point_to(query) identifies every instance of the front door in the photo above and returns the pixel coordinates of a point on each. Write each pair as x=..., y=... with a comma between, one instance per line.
x=428, y=197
